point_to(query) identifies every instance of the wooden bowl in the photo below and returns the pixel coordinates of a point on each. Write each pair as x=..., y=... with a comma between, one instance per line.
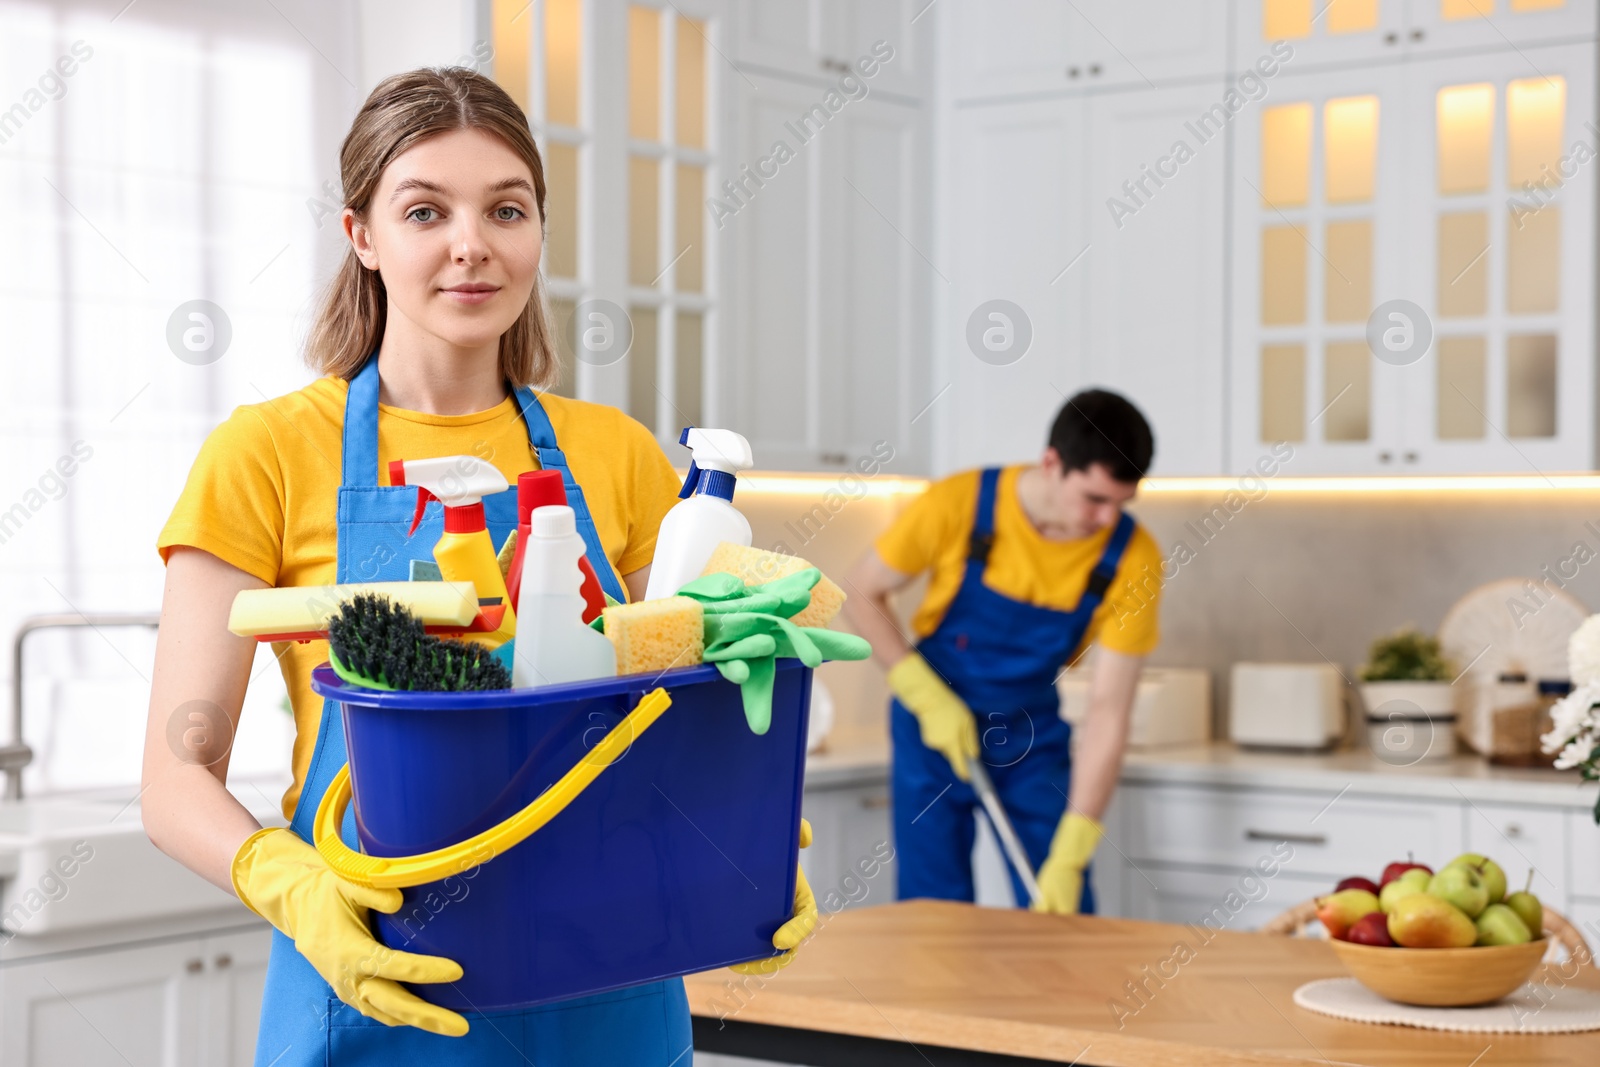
x=1442, y=977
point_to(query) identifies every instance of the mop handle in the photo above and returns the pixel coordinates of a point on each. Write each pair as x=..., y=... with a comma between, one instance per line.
x=1003, y=828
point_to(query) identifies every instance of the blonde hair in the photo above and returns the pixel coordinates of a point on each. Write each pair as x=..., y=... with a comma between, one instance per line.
x=403, y=110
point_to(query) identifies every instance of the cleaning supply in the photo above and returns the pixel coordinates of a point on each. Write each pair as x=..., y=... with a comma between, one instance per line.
x=705, y=516
x=758, y=566
x=288, y=883
x=1061, y=875
x=375, y=643
x=943, y=718
x=536, y=489
x=747, y=628
x=302, y=611
x=656, y=635
x=464, y=552
x=553, y=645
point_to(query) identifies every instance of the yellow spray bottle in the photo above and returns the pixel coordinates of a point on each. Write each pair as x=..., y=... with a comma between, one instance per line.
x=464, y=552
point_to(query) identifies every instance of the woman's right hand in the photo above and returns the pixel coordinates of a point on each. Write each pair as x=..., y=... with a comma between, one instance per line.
x=287, y=882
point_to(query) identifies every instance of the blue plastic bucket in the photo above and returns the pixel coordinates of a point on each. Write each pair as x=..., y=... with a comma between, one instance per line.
x=679, y=857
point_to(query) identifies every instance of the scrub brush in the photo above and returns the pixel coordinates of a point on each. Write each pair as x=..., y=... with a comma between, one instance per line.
x=376, y=643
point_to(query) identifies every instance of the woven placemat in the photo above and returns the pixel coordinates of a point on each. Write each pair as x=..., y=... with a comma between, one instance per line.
x=1530, y=1010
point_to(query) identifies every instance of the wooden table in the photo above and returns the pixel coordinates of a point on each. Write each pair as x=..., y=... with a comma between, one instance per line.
x=926, y=982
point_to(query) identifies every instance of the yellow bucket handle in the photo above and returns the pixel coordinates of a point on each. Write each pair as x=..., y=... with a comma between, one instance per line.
x=400, y=872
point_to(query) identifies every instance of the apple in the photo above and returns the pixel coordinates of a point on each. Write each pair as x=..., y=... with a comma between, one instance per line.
x=1499, y=925
x=1462, y=886
x=1396, y=869
x=1339, y=911
x=1358, y=882
x=1413, y=881
x=1371, y=929
x=1422, y=920
x=1528, y=908
x=1494, y=877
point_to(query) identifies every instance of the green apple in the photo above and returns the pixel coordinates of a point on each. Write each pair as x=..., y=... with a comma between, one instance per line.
x=1422, y=920
x=1494, y=877
x=1528, y=908
x=1412, y=881
x=1499, y=925
x=1462, y=886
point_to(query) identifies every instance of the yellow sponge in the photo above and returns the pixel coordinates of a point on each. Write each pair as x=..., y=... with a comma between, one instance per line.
x=656, y=635
x=757, y=567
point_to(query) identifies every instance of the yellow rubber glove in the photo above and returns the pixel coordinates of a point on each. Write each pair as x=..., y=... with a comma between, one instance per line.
x=287, y=882
x=1061, y=877
x=946, y=723
x=797, y=929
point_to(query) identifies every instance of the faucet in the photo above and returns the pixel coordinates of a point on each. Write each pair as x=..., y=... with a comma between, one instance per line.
x=16, y=755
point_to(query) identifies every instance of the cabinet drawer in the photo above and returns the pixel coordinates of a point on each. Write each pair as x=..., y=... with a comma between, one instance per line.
x=1583, y=845
x=1353, y=834
x=1518, y=838
x=1213, y=900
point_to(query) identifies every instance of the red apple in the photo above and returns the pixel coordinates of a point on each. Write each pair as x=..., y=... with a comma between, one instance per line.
x=1358, y=882
x=1371, y=929
x=1396, y=869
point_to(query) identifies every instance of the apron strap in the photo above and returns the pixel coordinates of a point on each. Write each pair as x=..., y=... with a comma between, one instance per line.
x=551, y=458
x=982, y=539
x=1106, y=570
x=360, y=462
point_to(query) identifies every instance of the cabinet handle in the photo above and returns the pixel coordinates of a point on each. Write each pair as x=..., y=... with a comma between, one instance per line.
x=1411, y=457
x=837, y=459
x=1298, y=839
x=1513, y=829
x=1417, y=35
x=875, y=803
x=1094, y=68
x=222, y=962
x=194, y=966
x=1385, y=456
x=1072, y=72
x=836, y=65
x=1391, y=38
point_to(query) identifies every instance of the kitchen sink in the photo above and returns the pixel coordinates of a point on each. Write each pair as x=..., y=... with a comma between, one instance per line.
x=69, y=864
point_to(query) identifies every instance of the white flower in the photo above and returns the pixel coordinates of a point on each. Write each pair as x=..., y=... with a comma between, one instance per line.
x=1571, y=714
x=1576, y=753
x=1583, y=652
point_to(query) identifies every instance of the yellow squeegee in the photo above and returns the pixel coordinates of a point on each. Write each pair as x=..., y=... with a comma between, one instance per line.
x=301, y=613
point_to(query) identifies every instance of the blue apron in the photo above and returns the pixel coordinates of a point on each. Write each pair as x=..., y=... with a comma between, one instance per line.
x=302, y=1022
x=1001, y=656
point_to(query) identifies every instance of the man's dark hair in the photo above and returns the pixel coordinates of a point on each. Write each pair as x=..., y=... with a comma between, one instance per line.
x=1097, y=426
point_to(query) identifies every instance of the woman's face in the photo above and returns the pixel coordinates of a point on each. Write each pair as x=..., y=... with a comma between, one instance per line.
x=454, y=230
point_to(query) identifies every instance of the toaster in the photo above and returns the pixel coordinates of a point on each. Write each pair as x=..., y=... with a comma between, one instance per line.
x=1287, y=705
x=1172, y=705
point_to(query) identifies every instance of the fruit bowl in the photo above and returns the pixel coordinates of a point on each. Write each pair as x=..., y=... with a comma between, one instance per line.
x=1442, y=977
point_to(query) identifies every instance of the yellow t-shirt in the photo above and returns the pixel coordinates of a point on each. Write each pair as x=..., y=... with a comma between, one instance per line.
x=263, y=491
x=933, y=533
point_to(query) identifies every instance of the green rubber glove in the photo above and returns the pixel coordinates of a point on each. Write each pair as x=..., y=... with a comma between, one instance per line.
x=1061, y=876
x=946, y=723
x=800, y=925
x=287, y=882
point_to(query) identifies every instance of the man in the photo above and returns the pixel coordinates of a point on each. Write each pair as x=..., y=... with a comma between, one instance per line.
x=1027, y=565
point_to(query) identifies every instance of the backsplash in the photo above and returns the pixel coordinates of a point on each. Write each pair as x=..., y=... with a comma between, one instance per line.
x=1282, y=574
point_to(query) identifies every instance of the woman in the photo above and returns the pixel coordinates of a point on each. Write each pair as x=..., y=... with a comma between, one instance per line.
x=430, y=336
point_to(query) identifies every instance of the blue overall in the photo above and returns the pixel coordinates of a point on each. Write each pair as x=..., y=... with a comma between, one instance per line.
x=1001, y=656
x=302, y=1022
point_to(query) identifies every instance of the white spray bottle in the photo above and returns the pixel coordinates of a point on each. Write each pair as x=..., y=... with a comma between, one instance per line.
x=553, y=645
x=706, y=516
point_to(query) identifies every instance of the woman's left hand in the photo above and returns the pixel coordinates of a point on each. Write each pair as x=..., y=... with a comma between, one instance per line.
x=797, y=929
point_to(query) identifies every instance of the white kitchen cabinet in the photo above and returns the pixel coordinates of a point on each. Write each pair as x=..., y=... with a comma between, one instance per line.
x=1520, y=839
x=1583, y=846
x=165, y=1004
x=1212, y=898
x=1041, y=46
x=850, y=862
x=821, y=40
x=830, y=282
x=1340, y=209
x=1354, y=32
x=1066, y=218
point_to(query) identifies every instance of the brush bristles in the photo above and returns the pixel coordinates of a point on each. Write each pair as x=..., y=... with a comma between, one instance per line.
x=375, y=638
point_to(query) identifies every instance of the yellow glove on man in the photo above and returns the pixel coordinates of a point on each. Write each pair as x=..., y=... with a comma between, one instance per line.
x=799, y=926
x=287, y=882
x=946, y=723
x=1061, y=877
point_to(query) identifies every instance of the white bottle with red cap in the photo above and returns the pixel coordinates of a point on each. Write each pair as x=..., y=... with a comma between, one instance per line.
x=553, y=644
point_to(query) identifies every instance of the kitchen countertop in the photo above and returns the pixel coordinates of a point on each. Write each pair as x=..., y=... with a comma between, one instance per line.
x=1010, y=982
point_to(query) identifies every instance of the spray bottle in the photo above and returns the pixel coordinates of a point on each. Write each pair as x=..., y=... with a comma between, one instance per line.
x=554, y=645
x=705, y=517
x=464, y=552
x=535, y=489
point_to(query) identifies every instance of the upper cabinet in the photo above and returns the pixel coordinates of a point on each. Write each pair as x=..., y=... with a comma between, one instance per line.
x=1348, y=31
x=824, y=40
x=1413, y=266
x=1044, y=46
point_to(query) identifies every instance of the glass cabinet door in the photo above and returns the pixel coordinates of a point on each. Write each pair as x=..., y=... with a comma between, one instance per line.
x=1319, y=32
x=1438, y=25
x=1502, y=245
